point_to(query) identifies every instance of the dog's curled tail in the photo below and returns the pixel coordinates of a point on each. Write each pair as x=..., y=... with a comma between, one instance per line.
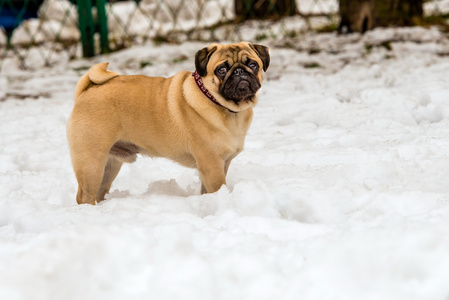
x=98, y=74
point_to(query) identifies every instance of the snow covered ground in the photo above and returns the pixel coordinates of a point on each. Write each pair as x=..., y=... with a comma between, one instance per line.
x=341, y=192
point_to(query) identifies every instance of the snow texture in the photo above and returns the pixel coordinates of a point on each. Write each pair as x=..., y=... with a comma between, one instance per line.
x=341, y=192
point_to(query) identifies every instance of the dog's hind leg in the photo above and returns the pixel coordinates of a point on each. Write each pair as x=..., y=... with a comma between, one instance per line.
x=89, y=173
x=89, y=159
x=119, y=153
x=110, y=173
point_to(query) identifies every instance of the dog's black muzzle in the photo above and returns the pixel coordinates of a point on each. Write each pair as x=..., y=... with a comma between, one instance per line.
x=240, y=85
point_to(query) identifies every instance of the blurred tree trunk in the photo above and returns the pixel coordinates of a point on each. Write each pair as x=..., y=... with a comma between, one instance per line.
x=357, y=15
x=263, y=9
x=362, y=15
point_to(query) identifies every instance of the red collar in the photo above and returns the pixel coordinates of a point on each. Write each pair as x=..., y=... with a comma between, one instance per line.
x=200, y=84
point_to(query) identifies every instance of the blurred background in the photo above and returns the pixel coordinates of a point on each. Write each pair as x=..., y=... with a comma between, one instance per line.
x=38, y=32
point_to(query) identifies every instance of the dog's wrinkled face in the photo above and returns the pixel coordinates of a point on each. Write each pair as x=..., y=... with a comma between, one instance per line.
x=234, y=72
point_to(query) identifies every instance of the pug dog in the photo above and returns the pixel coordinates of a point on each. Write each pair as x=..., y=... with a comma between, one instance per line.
x=197, y=119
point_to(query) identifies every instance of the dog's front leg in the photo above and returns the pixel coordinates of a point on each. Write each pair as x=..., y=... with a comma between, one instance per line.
x=212, y=173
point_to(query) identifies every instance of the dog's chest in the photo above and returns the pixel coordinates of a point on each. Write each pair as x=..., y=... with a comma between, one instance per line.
x=233, y=137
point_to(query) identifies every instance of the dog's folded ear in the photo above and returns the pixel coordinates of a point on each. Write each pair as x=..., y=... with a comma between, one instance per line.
x=264, y=54
x=202, y=58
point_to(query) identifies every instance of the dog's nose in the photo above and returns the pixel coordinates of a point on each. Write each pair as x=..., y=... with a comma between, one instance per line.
x=243, y=87
x=238, y=71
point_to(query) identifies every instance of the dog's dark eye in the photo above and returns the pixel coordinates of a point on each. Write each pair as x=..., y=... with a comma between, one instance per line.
x=222, y=70
x=253, y=65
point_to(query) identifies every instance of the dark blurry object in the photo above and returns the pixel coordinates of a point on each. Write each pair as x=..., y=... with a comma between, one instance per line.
x=263, y=9
x=363, y=15
x=13, y=12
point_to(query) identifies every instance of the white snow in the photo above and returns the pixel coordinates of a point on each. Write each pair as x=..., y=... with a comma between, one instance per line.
x=341, y=192
x=58, y=21
x=318, y=6
x=436, y=7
